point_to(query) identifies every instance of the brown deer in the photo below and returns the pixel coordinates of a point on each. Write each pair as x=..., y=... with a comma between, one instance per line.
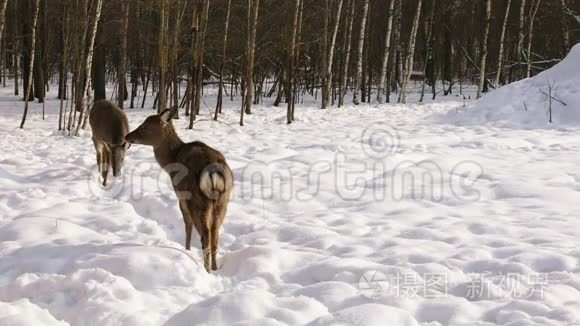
x=200, y=175
x=110, y=126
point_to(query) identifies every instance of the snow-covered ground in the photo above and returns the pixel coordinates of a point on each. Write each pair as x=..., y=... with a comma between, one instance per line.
x=356, y=216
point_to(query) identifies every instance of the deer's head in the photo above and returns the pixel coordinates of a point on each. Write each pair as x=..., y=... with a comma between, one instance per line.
x=118, y=156
x=153, y=130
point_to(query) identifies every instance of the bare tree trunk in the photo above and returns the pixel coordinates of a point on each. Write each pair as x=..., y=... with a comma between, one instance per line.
x=122, y=71
x=386, y=54
x=323, y=54
x=398, y=56
x=64, y=40
x=534, y=6
x=146, y=86
x=99, y=67
x=565, y=28
x=162, y=55
x=291, y=58
x=175, y=54
x=329, y=62
x=520, y=45
x=15, y=51
x=200, y=56
x=244, y=75
x=191, y=79
x=220, y=99
x=193, y=88
x=251, y=58
x=3, y=42
x=483, y=59
x=410, y=54
x=3, y=4
x=88, y=66
x=297, y=56
x=502, y=43
x=346, y=48
x=72, y=111
x=16, y=59
x=365, y=77
x=31, y=68
x=428, y=49
x=199, y=25
x=359, y=64
x=253, y=10
x=81, y=30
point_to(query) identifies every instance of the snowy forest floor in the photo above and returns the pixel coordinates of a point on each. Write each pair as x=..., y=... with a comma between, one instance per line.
x=367, y=215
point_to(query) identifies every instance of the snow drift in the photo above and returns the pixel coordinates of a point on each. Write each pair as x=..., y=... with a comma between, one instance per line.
x=526, y=103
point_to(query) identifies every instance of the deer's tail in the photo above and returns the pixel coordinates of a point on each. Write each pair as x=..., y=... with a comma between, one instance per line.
x=216, y=179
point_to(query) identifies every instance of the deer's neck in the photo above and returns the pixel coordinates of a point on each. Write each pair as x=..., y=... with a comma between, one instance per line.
x=166, y=152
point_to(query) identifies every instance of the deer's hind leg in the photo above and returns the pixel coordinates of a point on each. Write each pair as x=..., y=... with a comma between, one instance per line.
x=187, y=221
x=196, y=217
x=219, y=213
x=98, y=149
x=202, y=220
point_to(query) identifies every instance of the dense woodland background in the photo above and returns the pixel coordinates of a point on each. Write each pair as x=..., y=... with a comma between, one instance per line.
x=272, y=50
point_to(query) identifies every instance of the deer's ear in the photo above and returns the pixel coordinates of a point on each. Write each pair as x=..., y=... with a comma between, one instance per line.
x=167, y=115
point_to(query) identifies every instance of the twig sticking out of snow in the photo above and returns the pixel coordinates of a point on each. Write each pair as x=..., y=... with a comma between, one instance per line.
x=551, y=95
x=554, y=97
x=208, y=120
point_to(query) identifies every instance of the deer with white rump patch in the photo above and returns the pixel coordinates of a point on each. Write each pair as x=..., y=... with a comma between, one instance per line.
x=200, y=175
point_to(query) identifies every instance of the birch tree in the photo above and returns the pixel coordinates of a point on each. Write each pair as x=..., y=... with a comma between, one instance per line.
x=534, y=6
x=198, y=48
x=219, y=104
x=162, y=56
x=398, y=56
x=3, y=4
x=410, y=54
x=346, y=49
x=292, y=59
x=387, y=53
x=520, y=44
x=28, y=82
x=331, y=50
x=323, y=54
x=179, y=13
x=253, y=10
x=500, y=56
x=359, y=64
x=15, y=51
x=62, y=82
x=428, y=49
x=88, y=66
x=122, y=71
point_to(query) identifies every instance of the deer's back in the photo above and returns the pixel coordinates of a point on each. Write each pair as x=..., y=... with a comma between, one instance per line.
x=196, y=156
x=108, y=122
